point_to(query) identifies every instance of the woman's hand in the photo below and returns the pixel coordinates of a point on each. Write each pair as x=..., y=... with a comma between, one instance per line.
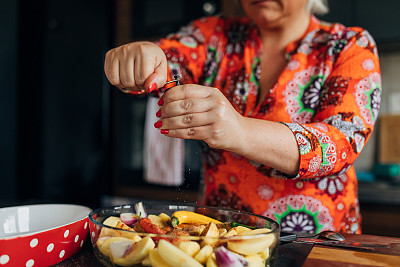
x=139, y=66
x=199, y=112
x=203, y=113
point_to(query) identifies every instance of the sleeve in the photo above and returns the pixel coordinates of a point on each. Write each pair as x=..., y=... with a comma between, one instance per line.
x=347, y=110
x=186, y=50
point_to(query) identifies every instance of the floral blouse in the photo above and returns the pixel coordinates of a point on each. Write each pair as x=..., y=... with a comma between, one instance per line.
x=328, y=95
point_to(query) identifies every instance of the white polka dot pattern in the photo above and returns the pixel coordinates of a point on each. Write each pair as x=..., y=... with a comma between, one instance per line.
x=57, y=243
x=50, y=247
x=30, y=263
x=66, y=233
x=4, y=259
x=62, y=253
x=34, y=242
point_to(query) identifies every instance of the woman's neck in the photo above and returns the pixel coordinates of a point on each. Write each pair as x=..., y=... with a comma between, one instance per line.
x=278, y=37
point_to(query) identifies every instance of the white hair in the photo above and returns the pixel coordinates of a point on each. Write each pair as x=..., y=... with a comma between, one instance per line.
x=319, y=7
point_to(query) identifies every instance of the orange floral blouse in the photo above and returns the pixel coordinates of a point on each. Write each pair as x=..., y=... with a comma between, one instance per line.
x=328, y=95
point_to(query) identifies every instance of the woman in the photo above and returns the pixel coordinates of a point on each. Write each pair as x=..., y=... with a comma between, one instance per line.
x=284, y=102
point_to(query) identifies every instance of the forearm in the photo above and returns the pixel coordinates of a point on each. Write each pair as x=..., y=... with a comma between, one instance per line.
x=269, y=143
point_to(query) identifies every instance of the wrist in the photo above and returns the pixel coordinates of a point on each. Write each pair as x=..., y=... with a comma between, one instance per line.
x=240, y=142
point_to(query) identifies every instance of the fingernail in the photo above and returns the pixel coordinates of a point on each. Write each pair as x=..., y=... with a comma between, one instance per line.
x=158, y=114
x=158, y=124
x=160, y=102
x=152, y=87
x=164, y=131
x=137, y=92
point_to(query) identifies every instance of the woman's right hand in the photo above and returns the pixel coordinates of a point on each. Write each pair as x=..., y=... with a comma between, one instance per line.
x=136, y=67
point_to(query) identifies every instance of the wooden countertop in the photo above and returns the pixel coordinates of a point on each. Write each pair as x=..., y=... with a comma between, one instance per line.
x=318, y=256
x=328, y=256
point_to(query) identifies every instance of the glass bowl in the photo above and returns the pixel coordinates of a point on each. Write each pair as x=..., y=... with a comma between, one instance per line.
x=241, y=238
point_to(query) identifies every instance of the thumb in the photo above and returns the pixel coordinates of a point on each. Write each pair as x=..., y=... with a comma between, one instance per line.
x=158, y=78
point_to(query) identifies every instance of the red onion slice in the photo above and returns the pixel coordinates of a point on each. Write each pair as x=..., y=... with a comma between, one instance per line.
x=226, y=258
x=129, y=218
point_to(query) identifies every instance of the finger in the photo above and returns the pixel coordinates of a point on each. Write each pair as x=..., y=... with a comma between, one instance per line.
x=187, y=121
x=187, y=106
x=188, y=91
x=126, y=74
x=158, y=77
x=144, y=67
x=198, y=133
x=111, y=69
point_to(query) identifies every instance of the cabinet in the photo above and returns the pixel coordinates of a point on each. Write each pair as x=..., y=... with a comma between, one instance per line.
x=60, y=100
x=380, y=219
x=128, y=112
x=380, y=18
x=8, y=96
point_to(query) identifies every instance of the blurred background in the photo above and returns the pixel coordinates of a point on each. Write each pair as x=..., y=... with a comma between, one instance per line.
x=68, y=136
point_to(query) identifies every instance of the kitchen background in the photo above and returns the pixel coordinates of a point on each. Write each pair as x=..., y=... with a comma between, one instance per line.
x=68, y=136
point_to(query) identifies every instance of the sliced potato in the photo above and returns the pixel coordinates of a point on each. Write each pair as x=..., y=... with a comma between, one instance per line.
x=174, y=256
x=146, y=261
x=241, y=229
x=107, y=232
x=189, y=247
x=104, y=244
x=136, y=255
x=264, y=253
x=222, y=232
x=131, y=234
x=164, y=217
x=156, y=259
x=212, y=261
x=122, y=225
x=101, y=240
x=255, y=261
x=112, y=221
x=204, y=253
x=257, y=231
x=157, y=220
x=230, y=233
x=117, y=223
x=211, y=234
x=119, y=248
x=253, y=245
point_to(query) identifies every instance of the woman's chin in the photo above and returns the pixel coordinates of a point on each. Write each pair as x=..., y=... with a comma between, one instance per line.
x=270, y=20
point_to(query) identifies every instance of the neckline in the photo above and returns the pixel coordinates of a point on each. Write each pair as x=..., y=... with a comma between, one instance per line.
x=314, y=24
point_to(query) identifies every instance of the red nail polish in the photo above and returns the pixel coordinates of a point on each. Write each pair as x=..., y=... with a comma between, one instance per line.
x=158, y=114
x=160, y=102
x=164, y=131
x=158, y=124
x=137, y=92
x=152, y=87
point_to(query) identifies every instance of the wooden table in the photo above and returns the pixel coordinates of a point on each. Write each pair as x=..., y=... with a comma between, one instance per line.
x=314, y=255
x=328, y=256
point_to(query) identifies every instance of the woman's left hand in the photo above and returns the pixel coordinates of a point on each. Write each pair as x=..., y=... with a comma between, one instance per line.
x=199, y=112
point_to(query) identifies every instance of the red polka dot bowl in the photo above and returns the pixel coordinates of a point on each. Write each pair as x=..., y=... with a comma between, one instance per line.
x=41, y=235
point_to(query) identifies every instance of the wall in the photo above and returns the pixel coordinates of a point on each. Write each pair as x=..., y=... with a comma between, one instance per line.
x=390, y=66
